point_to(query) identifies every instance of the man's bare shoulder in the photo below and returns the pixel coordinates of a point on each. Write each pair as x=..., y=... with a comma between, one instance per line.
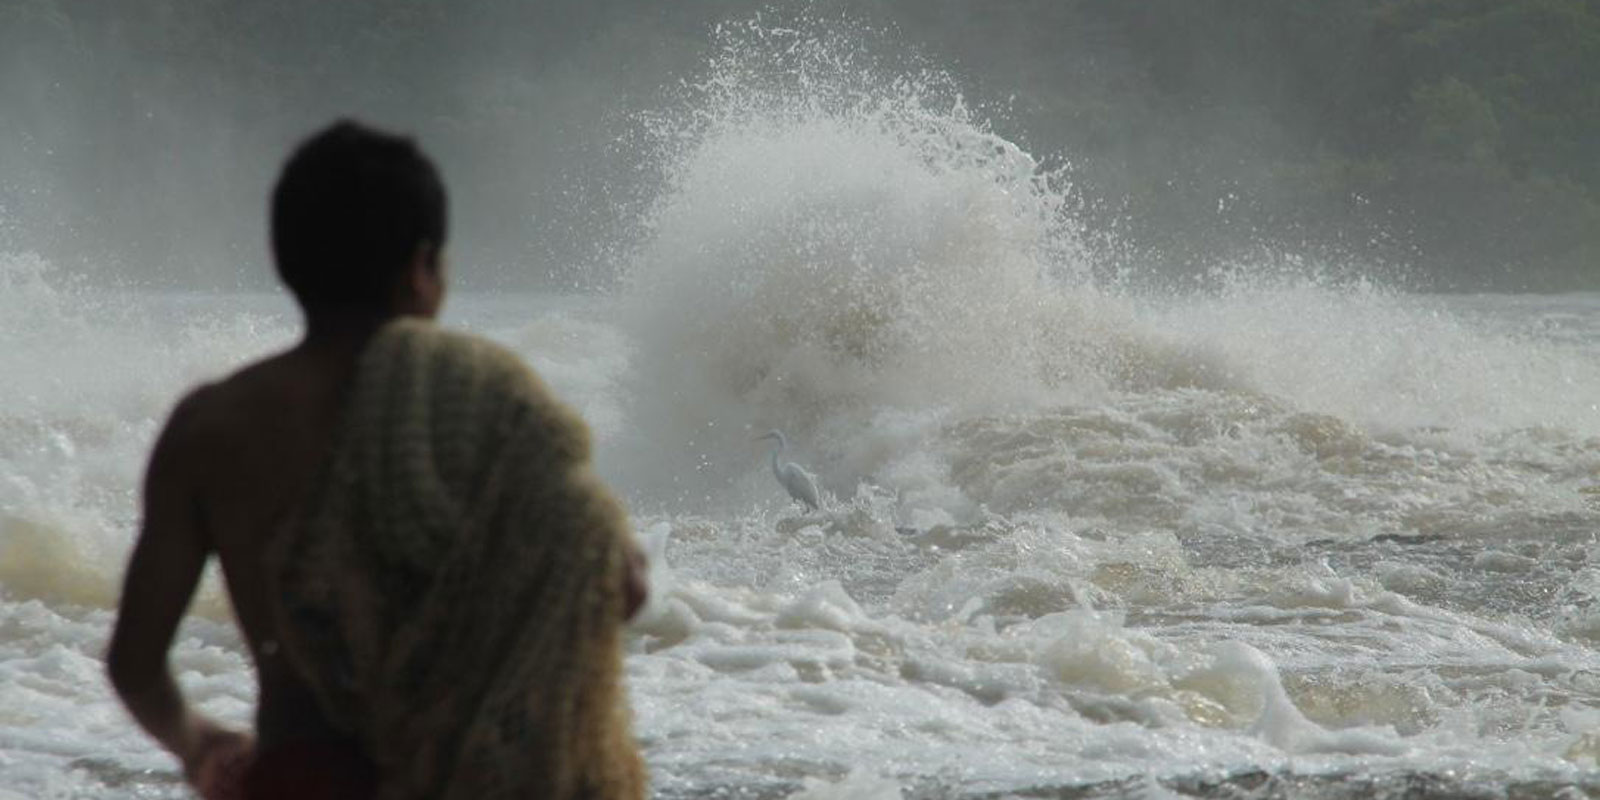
x=211, y=407
x=218, y=413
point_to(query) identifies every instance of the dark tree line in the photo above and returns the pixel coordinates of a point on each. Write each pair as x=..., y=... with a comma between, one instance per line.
x=1454, y=144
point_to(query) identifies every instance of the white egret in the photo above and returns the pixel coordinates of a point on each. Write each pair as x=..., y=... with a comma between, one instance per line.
x=801, y=485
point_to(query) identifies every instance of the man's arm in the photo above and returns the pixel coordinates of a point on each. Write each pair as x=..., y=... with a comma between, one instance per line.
x=163, y=571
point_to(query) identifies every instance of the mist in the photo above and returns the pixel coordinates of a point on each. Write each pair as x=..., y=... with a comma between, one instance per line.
x=1433, y=145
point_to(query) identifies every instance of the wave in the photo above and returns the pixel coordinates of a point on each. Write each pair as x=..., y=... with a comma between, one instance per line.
x=91, y=374
x=856, y=257
x=832, y=241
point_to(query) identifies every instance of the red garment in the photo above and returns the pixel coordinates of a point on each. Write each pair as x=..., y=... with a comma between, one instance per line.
x=310, y=771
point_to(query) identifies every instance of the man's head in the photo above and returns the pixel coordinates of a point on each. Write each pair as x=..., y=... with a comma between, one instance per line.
x=358, y=224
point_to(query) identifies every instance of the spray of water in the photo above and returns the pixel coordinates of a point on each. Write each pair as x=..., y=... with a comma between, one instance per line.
x=831, y=242
x=92, y=374
x=848, y=252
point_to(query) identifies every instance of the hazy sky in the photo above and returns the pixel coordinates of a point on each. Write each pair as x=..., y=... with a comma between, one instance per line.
x=138, y=141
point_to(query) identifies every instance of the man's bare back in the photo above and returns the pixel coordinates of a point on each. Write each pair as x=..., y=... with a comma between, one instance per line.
x=267, y=429
x=232, y=462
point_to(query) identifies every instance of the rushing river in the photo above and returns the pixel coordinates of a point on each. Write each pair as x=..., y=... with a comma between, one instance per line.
x=1279, y=536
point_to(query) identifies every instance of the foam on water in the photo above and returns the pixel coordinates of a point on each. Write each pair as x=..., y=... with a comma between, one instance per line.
x=1285, y=521
x=1387, y=361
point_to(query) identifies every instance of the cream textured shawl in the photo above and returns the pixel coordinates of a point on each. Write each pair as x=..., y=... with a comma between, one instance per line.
x=452, y=585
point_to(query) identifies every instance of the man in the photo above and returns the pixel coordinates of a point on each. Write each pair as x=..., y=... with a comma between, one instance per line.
x=430, y=581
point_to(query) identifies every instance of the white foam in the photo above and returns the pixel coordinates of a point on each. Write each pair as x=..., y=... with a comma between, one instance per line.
x=858, y=785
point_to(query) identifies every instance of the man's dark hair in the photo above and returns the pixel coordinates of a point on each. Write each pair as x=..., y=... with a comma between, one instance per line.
x=348, y=213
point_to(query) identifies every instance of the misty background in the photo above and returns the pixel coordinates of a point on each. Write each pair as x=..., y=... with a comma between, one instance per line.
x=1446, y=145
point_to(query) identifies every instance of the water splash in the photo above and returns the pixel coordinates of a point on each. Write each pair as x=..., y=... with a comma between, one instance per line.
x=833, y=240
x=91, y=374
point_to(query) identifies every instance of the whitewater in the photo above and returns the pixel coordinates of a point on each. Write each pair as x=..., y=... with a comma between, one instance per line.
x=1277, y=535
